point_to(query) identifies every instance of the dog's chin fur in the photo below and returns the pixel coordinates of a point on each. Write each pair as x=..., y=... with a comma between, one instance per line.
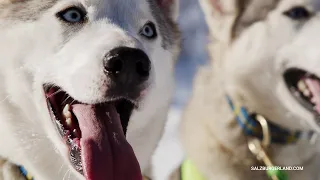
x=36, y=48
x=249, y=57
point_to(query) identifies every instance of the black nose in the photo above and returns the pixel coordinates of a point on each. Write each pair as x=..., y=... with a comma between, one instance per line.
x=128, y=65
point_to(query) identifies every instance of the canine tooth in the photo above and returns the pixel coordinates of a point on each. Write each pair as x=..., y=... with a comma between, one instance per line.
x=69, y=122
x=67, y=107
x=301, y=85
x=306, y=93
x=66, y=111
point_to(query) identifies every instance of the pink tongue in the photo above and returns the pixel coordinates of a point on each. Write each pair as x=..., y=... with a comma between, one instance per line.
x=314, y=87
x=105, y=153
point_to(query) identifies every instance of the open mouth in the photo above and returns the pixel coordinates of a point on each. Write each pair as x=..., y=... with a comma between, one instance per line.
x=95, y=135
x=305, y=87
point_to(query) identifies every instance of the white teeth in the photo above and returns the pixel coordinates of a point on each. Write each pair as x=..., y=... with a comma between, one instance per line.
x=69, y=122
x=306, y=93
x=303, y=88
x=66, y=111
x=301, y=85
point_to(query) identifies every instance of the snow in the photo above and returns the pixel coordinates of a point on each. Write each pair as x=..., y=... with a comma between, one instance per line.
x=194, y=37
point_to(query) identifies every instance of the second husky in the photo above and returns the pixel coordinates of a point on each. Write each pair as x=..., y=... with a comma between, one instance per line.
x=265, y=66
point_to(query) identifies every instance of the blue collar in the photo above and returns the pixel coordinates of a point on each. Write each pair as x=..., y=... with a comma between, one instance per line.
x=251, y=127
x=25, y=173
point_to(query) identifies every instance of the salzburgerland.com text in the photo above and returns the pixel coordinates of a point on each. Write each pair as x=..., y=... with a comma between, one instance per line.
x=285, y=168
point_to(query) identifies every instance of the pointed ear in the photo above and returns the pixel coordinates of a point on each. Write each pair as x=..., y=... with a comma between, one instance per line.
x=170, y=8
x=219, y=15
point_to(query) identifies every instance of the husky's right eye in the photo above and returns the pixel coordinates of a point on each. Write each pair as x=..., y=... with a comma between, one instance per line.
x=72, y=15
x=149, y=31
x=298, y=13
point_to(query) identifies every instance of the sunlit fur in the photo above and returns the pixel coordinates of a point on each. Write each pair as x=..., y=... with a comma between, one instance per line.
x=37, y=48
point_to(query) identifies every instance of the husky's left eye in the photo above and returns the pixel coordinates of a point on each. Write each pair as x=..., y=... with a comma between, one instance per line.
x=149, y=31
x=72, y=15
x=298, y=13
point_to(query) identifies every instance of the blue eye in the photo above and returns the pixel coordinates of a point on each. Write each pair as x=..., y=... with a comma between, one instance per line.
x=298, y=13
x=72, y=15
x=149, y=31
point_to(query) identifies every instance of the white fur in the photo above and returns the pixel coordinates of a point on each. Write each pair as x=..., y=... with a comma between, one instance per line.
x=34, y=52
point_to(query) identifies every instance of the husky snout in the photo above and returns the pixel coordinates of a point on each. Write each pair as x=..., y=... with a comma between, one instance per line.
x=127, y=65
x=128, y=71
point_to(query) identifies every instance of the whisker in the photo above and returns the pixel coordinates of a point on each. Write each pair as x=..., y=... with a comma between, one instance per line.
x=66, y=99
x=4, y=99
x=54, y=93
x=61, y=169
x=65, y=175
x=69, y=175
x=65, y=96
x=73, y=101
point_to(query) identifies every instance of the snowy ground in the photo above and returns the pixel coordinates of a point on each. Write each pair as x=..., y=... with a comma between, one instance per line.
x=170, y=154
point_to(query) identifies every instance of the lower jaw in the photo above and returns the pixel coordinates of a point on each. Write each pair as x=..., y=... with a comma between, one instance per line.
x=72, y=144
x=74, y=151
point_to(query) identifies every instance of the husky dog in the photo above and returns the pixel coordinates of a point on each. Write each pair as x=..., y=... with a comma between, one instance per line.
x=265, y=62
x=85, y=85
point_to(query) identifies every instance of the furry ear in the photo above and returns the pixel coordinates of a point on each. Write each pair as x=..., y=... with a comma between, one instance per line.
x=170, y=8
x=220, y=16
x=223, y=6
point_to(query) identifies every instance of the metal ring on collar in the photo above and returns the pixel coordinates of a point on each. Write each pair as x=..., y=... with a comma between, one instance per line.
x=266, y=138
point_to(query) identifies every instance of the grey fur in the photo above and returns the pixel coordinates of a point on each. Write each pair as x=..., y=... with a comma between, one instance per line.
x=171, y=37
x=31, y=10
x=251, y=11
x=27, y=10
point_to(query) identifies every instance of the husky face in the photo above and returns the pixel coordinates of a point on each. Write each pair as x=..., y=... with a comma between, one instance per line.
x=271, y=61
x=87, y=78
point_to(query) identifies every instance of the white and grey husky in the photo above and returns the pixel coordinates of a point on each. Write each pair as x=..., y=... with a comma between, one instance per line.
x=85, y=86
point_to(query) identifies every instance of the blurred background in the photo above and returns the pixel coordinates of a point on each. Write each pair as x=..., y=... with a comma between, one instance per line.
x=194, y=40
